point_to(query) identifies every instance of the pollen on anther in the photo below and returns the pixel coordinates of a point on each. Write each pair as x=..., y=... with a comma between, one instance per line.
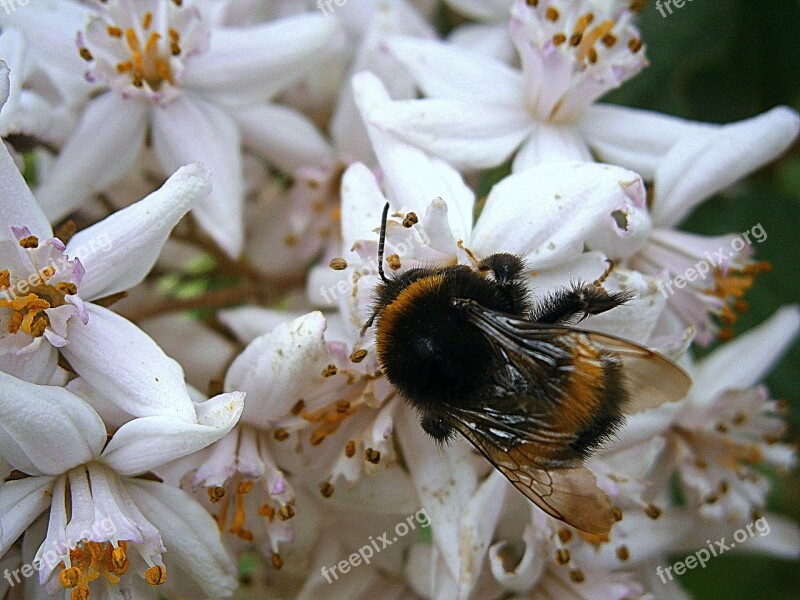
x=564, y=535
x=350, y=449
x=372, y=456
x=114, y=31
x=29, y=242
x=286, y=512
x=326, y=489
x=562, y=556
x=155, y=575
x=330, y=371
x=616, y=512
x=634, y=45
x=338, y=264
x=623, y=553
x=281, y=434
x=653, y=511
x=358, y=355
x=277, y=561
x=86, y=54
x=551, y=13
x=70, y=577
x=576, y=575
x=410, y=220
x=216, y=493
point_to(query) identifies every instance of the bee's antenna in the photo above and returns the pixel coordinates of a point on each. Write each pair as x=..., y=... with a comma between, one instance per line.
x=382, y=242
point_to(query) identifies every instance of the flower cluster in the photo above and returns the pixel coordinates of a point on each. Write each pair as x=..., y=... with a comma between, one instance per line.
x=189, y=280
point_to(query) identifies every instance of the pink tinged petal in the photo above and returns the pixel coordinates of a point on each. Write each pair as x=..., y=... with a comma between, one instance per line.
x=219, y=461
x=120, y=360
x=192, y=130
x=190, y=535
x=522, y=576
x=548, y=213
x=18, y=207
x=255, y=63
x=46, y=429
x=478, y=523
x=101, y=151
x=700, y=165
x=149, y=442
x=20, y=503
x=491, y=40
x=35, y=366
x=428, y=575
x=445, y=480
x=468, y=133
x=412, y=178
x=283, y=136
x=763, y=346
x=632, y=138
x=120, y=250
x=547, y=142
x=446, y=71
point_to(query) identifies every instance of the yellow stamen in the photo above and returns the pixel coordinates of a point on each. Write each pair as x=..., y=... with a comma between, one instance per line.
x=155, y=575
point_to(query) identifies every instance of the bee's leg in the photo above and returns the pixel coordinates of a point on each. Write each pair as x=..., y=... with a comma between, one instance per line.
x=611, y=266
x=571, y=305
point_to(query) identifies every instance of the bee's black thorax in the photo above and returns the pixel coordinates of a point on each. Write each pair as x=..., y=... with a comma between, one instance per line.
x=427, y=348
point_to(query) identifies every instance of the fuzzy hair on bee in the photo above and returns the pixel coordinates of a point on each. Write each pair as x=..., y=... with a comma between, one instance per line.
x=476, y=354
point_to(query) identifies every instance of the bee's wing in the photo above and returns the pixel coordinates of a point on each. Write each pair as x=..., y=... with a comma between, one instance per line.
x=650, y=378
x=569, y=495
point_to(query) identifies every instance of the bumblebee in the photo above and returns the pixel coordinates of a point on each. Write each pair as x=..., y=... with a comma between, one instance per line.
x=475, y=354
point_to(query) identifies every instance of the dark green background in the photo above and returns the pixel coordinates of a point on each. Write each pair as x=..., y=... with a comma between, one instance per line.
x=720, y=61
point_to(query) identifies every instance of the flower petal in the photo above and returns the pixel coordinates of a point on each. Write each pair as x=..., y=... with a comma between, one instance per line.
x=20, y=503
x=258, y=62
x=120, y=250
x=46, y=429
x=17, y=204
x=447, y=71
x=192, y=130
x=283, y=136
x=105, y=147
x=763, y=346
x=36, y=366
x=445, y=481
x=548, y=213
x=276, y=369
x=148, y=442
x=190, y=535
x=703, y=163
x=632, y=138
x=120, y=360
x=467, y=133
x=412, y=178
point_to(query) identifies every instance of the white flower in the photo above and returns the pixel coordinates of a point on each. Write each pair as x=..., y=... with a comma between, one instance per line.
x=46, y=288
x=34, y=106
x=479, y=110
x=172, y=76
x=490, y=34
x=728, y=423
x=103, y=520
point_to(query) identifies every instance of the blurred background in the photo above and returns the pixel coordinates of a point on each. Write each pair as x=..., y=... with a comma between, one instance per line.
x=720, y=61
